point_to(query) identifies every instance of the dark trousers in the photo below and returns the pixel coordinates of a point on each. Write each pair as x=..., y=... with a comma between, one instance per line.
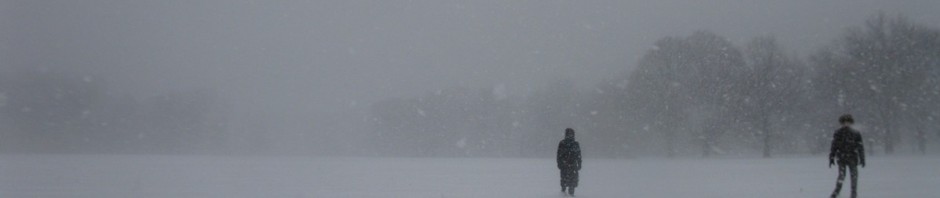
x=853, y=169
x=569, y=178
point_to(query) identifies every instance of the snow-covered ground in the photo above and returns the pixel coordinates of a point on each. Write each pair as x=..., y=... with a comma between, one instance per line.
x=104, y=176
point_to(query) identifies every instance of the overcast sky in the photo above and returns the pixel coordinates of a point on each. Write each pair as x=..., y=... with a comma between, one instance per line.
x=317, y=63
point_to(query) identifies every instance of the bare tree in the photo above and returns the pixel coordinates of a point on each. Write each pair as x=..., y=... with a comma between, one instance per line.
x=717, y=64
x=881, y=71
x=658, y=90
x=684, y=85
x=773, y=84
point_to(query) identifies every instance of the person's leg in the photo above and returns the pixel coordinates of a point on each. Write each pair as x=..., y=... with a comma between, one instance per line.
x=853, y=169
x=563, y=181
x=839, y=180
x=572, y=182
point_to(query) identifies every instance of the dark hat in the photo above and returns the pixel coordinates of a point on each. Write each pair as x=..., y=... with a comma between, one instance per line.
x=846, y=118
x=569, y=132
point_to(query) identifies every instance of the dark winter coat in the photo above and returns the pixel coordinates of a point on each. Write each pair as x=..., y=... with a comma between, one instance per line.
x=847, y=146
x=569, y=154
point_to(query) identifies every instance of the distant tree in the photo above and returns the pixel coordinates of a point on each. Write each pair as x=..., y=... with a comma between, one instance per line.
x=878, y=70
x=772, y=87
x=51, y=111
x=659, y=88
x=610, y=117
x=553, y=108
x=686, y=85
x=718, y=64
x=450, y=122
x=925, y=55
x=395, y=125
x=183, y=122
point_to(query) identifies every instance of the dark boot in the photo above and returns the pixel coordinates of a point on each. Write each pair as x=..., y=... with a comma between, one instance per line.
x=571, y=191
x=562, y=188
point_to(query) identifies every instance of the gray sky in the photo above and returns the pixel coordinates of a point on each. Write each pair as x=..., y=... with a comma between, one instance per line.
x=316, y=65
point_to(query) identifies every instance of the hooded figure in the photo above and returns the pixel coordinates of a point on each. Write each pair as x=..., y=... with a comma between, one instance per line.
x=848, y=149
x=569, y=161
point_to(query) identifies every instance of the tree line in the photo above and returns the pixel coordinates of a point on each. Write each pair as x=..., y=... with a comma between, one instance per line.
x=697, y=95
x=56, y=110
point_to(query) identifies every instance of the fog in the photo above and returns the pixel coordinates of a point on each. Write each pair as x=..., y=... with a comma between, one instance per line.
x=309, y=77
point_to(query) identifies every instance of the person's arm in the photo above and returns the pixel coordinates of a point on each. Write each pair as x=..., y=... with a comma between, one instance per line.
x=577, y=155
x=559, y=153
x=861, y=149
x=833, y=149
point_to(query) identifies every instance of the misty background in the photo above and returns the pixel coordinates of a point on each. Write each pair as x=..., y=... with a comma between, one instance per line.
x=466, y=78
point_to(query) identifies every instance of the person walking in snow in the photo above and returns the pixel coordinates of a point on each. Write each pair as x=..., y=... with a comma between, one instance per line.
x=569, y=161
x=847, y=147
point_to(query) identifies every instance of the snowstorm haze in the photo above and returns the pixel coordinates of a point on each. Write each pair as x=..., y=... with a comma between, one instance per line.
x=315, y=77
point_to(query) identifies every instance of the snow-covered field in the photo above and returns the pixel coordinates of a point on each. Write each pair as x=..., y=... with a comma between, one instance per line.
x=106, y=176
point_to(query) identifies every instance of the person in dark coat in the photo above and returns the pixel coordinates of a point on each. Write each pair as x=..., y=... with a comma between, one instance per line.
x=848, y=149
x=569, y=161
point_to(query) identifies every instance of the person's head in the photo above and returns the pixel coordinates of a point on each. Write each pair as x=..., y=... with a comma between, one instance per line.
x=569, y=133
x=846, y=120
